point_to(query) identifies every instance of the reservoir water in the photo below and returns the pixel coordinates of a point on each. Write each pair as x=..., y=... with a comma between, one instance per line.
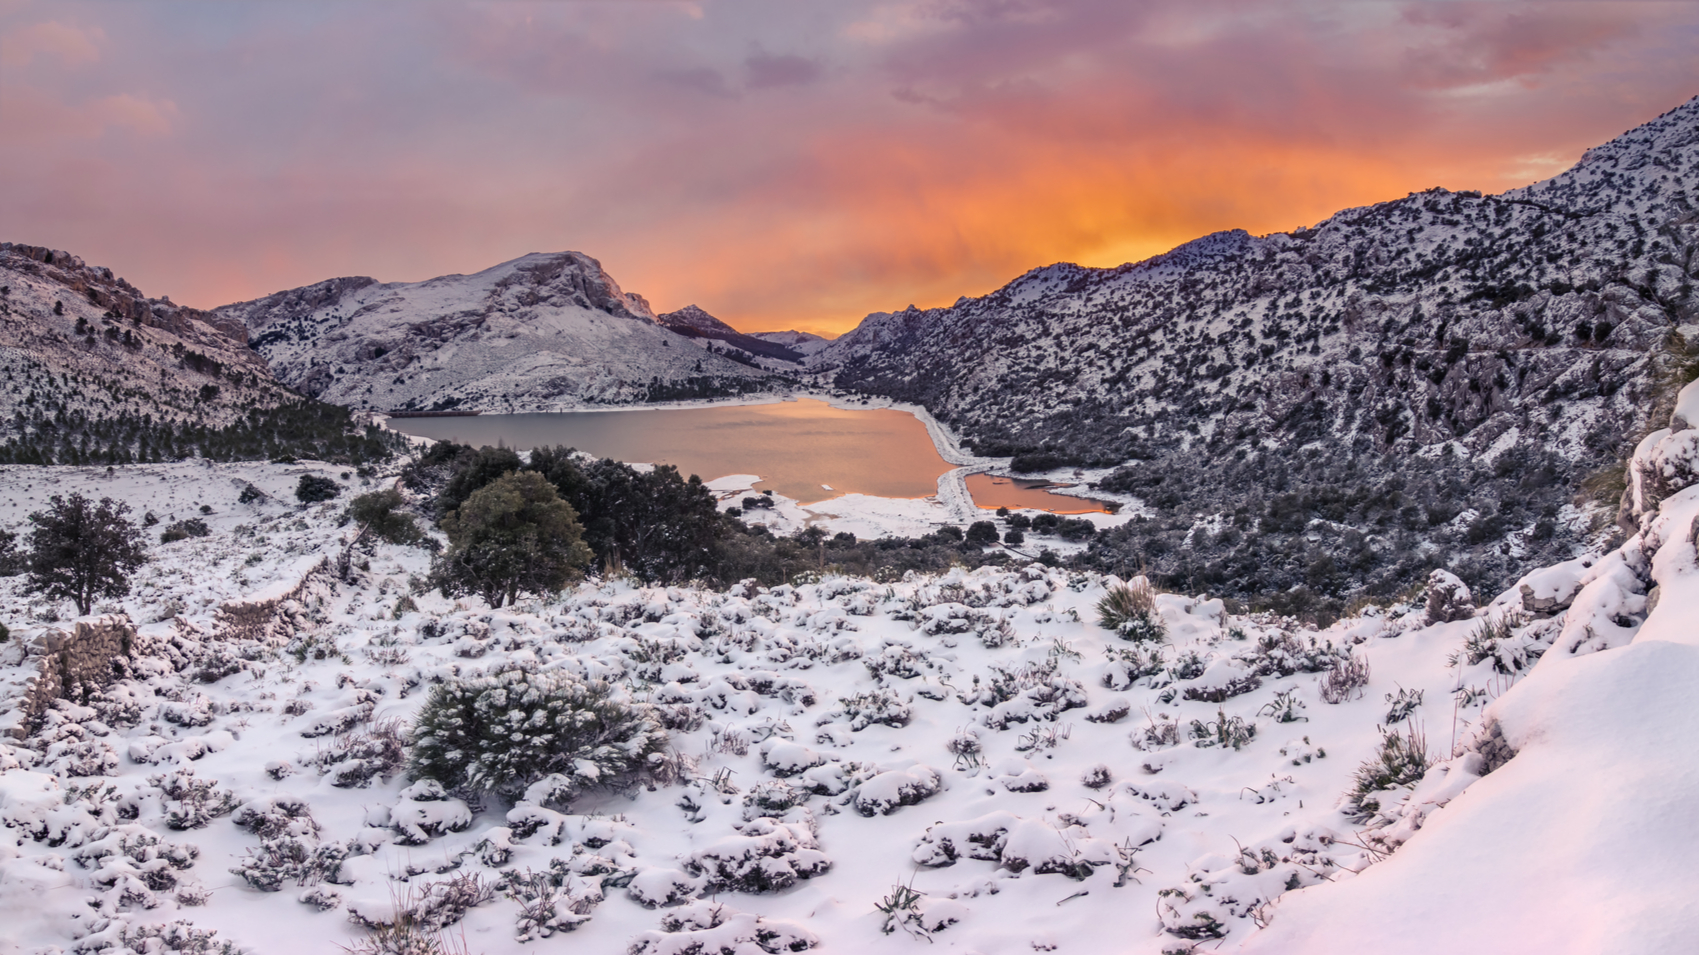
x=804, y=449
x=997, y=491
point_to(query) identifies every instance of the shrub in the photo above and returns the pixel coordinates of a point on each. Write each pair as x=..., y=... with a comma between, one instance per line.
x=249, y=495
x=505, y=732
x=81, y=551
x=1014, y=536
x=981, y=533
x=1402, y=761
x=1076, y=529
x=1346, y=676
x=313, y=488
x=1224, y=731
x=1130, y=611
x=12, y=561
x=187, y=528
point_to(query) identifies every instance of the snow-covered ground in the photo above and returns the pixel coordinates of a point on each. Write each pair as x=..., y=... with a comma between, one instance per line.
x=1037, y=782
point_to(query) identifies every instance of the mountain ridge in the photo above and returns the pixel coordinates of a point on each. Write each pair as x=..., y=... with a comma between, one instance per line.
x=1523, y=331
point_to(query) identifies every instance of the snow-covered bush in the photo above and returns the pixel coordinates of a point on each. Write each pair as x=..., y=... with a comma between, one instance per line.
x=178, y=936
x=878, y=706
x=1449, y=598
x=1346, y=676
x=1283, y=654
x=289, y=857
x=1224, y=731
x=767, y=855
x=1128, y=665
x=1507, y=642
x=354, y=758
x=431, y=906
x=187, y=528
x=715, y=928
x=887, y=791
x=514, y=728
x=1400, y=763
x=191, y=802
x=1130, y=610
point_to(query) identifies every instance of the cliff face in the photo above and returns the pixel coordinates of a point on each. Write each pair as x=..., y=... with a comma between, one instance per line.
x=544, y=331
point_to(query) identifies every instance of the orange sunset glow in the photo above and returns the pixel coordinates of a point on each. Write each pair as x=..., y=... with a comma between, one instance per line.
x=780, y=165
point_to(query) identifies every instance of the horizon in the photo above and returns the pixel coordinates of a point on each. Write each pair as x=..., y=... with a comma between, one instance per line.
x=782, y=168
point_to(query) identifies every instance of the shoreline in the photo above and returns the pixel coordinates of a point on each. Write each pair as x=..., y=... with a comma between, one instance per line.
x=952, y=489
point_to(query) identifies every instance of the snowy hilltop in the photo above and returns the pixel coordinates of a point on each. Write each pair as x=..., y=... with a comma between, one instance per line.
x=272, y=744
x=1331, y=409
x=541, y=332
x=75, y=340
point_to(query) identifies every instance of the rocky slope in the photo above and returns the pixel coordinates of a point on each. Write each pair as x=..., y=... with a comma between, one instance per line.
x=544, y=331
x=77, y=341
x=1419, y=382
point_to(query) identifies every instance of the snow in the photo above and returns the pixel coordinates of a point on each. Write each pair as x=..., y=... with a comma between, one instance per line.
x=973, y=737
x=1585, y=841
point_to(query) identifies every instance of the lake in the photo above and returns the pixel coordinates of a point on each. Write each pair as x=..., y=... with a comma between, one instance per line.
x=806, y=449
x=997, y=491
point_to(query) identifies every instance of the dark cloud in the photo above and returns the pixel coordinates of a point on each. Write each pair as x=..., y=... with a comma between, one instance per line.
x=702, y=79
x=763, y=71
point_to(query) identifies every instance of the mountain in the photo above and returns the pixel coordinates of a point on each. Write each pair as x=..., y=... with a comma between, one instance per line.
x=541, y=332
x=76, y=341
x=694, y=323
x=1329, y=411
x=805, y=343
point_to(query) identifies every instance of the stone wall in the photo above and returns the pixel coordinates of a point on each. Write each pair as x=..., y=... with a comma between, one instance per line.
x=74, y=663
x=261, y=617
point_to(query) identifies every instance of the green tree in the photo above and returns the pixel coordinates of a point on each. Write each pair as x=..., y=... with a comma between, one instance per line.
x=83, y=551
x=656, y=524
x=514, y=534
x=473, y=470
x=378, y=513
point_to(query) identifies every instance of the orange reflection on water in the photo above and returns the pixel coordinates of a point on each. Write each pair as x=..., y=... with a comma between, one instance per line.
x=997, y=491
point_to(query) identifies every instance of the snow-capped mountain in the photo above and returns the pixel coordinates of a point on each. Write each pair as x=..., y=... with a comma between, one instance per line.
x=544, y=331
x=77, y=341
x=694, y=323
x=1422, y=381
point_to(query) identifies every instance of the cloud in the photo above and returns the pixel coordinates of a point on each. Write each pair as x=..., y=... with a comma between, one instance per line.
x=764, y=71
x=36, y=118
x=73, y=46
x=781, y=164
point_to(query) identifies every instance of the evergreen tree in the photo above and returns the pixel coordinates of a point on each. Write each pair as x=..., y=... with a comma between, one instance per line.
x=83, y=551
x=514, y=534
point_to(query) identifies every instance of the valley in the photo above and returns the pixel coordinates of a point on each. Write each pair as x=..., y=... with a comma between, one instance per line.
x=1298, y=592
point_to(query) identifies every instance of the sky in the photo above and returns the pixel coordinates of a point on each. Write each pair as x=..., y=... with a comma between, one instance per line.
x=780, y=164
